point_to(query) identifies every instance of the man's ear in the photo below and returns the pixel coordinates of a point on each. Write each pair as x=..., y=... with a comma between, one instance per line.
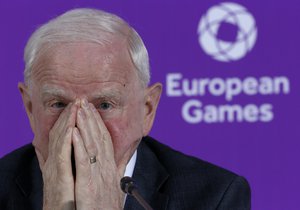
x=152, y=97
x=24, y=90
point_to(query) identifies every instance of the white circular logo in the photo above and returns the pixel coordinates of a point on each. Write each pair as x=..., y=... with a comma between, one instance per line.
x=227, y=32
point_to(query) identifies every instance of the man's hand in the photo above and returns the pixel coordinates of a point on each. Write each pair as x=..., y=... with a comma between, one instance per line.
x=57, y=169
x=97, y=184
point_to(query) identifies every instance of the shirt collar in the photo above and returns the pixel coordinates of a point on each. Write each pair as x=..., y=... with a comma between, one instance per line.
x=130, y=165
x=129, y=169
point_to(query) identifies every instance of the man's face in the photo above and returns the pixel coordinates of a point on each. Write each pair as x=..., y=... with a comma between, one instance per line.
x=104, y=75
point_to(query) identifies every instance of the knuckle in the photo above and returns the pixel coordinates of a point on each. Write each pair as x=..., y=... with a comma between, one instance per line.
x=91, y=148
x=82, y=162
x=106, y=136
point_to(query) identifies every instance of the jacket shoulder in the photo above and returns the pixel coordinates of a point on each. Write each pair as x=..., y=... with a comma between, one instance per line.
x=198, y=182
x=177, y=162
x=16, y=159
x=11, y=165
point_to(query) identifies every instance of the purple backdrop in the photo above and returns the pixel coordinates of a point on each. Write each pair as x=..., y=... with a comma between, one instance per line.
x=258, y=82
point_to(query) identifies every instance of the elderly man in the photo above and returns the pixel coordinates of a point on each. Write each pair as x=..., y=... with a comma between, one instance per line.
x=90, y=108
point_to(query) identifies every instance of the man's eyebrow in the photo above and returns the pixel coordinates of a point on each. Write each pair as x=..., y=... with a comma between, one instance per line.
x=105, y=95
x=47, y=90
x=59, y=93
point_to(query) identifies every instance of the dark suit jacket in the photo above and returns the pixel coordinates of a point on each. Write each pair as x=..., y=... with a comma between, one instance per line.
x=166, y=179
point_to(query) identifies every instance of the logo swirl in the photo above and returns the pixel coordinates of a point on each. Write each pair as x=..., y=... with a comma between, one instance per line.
x=232, y=15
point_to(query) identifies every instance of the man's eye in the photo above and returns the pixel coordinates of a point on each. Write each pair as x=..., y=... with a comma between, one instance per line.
x=58, y=105
x=105, y=106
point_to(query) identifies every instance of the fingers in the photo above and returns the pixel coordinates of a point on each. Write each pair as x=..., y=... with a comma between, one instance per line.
x=100, y=124
x=95, y=137
x=60, y=145
x=81, y=156
x=105, y=140
x=57, y=171
x=65, y=120
x=91, y=138
x=63, y=154
x=88, y=132
x=63, y=133
x=63, y=148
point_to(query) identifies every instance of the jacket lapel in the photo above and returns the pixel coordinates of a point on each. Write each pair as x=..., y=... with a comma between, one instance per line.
x=149, y=176
x=30, y=186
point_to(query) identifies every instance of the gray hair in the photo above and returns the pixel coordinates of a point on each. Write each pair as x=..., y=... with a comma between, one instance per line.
x=89, y=25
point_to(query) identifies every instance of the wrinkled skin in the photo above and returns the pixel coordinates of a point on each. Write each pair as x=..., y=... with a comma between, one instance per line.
x=90, y=97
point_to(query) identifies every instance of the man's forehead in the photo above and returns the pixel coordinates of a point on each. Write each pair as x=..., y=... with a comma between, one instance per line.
x=83, y=57
x=63, y=65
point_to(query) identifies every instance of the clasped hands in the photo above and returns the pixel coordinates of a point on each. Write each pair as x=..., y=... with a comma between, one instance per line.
x=96, y=185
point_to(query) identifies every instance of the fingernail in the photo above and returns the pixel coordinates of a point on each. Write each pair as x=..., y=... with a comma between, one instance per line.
x=76, y=132
x=84, y=103
x=92, y=107
x=77, y=102
x=80, y=113
x=70, y=104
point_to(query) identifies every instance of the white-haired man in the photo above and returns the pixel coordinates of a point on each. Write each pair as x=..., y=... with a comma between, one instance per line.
x=90, y=108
